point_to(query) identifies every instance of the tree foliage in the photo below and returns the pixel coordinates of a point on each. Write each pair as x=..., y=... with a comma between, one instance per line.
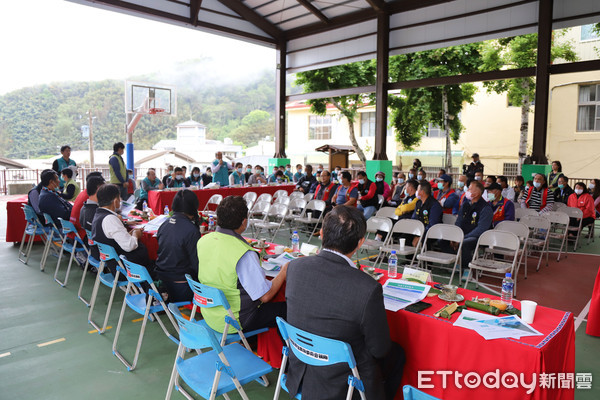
x=414, y=109
x=37, y=120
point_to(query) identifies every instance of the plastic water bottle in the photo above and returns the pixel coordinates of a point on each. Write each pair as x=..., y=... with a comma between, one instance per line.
x=166, y=212
x=393, y=265
x=145, y=206
x=507, y=289
x=295, y=242
x=211, y=224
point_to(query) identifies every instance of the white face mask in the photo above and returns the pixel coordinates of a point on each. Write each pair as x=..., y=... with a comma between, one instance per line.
x=477, y=178
x=420, y=177
x=461, y=184
x=591, y=186
x=379, y=179
x=400, y=180
x=410, y=176
x=578, y=191
x=537, y=184
x=361, y=181
x=468, y=195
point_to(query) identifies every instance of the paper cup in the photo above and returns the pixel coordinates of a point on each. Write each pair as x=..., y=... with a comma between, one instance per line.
x=528, y=311
x=279, y=249
x=309, y=215
x=402, y=243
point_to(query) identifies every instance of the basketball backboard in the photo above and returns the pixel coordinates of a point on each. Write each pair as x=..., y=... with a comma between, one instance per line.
x=150, y=98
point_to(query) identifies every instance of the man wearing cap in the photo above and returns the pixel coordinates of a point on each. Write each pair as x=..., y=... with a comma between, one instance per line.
x=427, y=209
x=445, y=195
x=504, y=209
x=475, y=166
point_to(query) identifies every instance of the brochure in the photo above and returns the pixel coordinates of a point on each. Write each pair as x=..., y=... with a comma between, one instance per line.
x=399, y=293
x=492, y=327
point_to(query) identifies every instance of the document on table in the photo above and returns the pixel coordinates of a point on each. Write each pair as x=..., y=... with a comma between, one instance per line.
x=398, y=293
x=126, y=208
x=155, y=223
x=273, y=265
x=493, y=327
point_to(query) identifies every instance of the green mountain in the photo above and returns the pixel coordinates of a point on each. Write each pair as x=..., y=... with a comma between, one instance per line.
x=37, y=120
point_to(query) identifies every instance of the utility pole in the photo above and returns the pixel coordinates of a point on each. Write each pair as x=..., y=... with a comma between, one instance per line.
x=91, y=138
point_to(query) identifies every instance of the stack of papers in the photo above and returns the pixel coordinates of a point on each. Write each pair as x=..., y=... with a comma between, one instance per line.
x=398, y=293
x=492, y=327
x=153, y=225
x=273, y=265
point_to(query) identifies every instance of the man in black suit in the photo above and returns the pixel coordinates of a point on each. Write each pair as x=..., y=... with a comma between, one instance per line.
x=328, y=296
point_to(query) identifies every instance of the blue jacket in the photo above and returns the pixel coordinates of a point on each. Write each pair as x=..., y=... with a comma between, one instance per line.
x=474, y=219
x=55, y=206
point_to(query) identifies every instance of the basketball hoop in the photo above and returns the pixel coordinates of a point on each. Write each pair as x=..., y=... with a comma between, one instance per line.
x=156, y=111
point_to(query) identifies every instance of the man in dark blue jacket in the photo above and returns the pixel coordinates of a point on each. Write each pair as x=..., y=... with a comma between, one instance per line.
x=50, y=201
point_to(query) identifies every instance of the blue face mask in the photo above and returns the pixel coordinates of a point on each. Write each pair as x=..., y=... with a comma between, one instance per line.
x=196, y=175
x=561, y=186
x=440, y=185
x=410, y=176
x=240, y=170
x=131, y=177
x=461, y=184
x=179, y=177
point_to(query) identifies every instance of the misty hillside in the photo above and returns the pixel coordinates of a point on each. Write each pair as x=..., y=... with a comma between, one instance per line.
x=34, y=121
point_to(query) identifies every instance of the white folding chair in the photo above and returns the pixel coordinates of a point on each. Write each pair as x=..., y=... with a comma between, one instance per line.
x=250, y=198
x=374, y=225
x=285, y=200
x=380, y=201
x=311, y=221
x=388, y=212
x=576, y=213
x=484, y=265
x=444, y=232
x=296, y=195
x=559, y=230
x=297, y=204
x=539, y=228
x=448, y=219
x=265, y=197
x=273, y=221
x=521, y=212
x=214, y=200
x=404, y=226
x=558, y=205
x=309, y=196
x=257, y=214
x=522, y=232
x=280, y=193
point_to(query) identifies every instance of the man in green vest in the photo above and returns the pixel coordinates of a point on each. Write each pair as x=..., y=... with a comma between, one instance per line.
x=220, y=170
x=227, y=262
x=118, y=171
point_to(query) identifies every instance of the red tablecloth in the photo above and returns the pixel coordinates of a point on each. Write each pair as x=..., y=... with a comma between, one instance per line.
x=434, y=344
x=15, y=219
x=593, y=322
x=157, y=199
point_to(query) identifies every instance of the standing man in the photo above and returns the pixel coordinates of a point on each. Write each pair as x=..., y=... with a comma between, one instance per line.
x=318, y=301
x=118, y=171
x=475, y=166
x=220, y=170
x=63, y=162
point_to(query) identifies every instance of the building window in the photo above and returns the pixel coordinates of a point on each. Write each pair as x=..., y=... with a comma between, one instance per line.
x=435, y=131
x=510, y=169
x=319, y=127
x=588, y=113
x=588, y=33
x=367, y=124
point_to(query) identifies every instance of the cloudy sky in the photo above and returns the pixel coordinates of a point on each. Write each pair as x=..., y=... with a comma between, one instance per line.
x=54, y=40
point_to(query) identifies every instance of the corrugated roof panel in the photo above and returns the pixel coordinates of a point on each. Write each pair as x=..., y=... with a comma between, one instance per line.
x=230, y=22
x=298, y=22
x=164, y=5
x=217, y=6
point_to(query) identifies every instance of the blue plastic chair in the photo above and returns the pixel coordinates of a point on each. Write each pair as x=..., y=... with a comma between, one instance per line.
x=318, y=351
x=240, y=365
x=143, y=305
x=412, y=393
x=54, y=235
x=33, y=229
x=90, y=261
x=76, y=247
x=107, y=253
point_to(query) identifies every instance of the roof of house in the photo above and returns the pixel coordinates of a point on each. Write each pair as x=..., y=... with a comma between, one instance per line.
x=7, y=162
x=162, y=153
x=336, y=148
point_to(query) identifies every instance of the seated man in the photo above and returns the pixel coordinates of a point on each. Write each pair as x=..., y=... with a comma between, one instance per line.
x=281, y=178
x=71, y=188
x=427, y=210
x=178, y=179
x=507, y=191
x=177, y=240
x=306, y=181
x=257, y=177
x=298, y=173
x=347, y=192
x=317, y=294
x=33, y=197
x=50, y=201
x=273, y=177
x=367, y=195
x=149, y=183
x=408, y=204
x=538, y=197
x=474, y=218
x=503, y=208
x=227, y=262
x=108, y=228
x=445, y=194
x=325, y=191
x=563, y=191
x=288, y=173
x=421, y=176
x=397, y=190
x=88, y=211
x=237, y=176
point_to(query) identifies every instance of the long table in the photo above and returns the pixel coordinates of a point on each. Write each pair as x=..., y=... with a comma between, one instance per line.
x=434, y=345
x=15, y=219
x=158, y=199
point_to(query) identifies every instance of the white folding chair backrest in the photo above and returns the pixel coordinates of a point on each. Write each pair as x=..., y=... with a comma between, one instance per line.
x=278, y=210
x=282, y=200
x=296, y=195
x=280, y=193
x=557, y=217
x=410, y=226
x=501, y=239
x=521, y=212
x=448, y=219
x=558, y=205
x=446, y=232
x=389, y=212
x=250, y=197
x=375, y=224
x=318, y=205
x=572, y=212
x=518, y=228
x=536, y=222
x=297, y=204
x=214, y=199
x=309, y=196
x=265, y=197
x=260, y=207
x=380, y=200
